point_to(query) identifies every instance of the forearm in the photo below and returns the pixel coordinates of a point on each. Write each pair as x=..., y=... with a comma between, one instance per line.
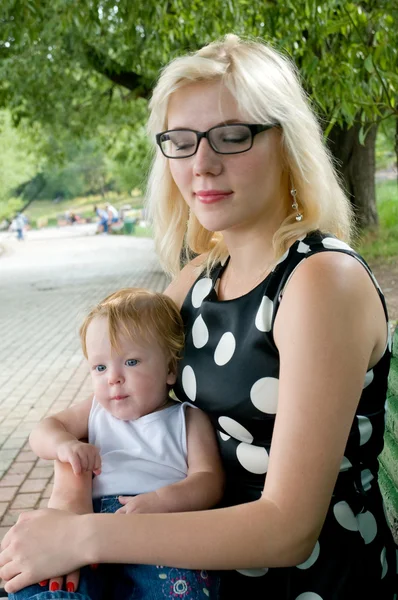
x=198, y=491
x=71, y=492
x=47, y=436
x=252, y=535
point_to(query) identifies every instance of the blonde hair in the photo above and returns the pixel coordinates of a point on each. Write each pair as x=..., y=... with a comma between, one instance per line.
x=142, y=314
x=267, y=89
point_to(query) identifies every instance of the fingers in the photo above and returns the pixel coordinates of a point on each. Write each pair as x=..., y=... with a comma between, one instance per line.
x=75, y=464
x=72, y=581
x=55, y=584
x=125, y=499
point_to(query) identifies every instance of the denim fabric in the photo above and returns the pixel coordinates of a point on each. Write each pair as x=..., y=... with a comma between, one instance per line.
x=131, y=582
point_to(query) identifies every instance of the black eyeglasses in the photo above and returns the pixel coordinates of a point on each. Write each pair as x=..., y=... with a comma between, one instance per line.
x=223, y=139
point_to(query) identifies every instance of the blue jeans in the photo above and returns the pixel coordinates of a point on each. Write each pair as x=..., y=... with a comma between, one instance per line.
x=130, y=582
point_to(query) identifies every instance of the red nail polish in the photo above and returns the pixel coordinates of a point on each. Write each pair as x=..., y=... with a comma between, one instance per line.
x=70, y=587
x=43, y=583
x=54, y=587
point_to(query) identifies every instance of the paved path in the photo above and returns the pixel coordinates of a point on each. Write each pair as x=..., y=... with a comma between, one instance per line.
x=47, y=283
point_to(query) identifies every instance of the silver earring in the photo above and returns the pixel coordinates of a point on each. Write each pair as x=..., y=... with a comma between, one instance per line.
x=295, y=206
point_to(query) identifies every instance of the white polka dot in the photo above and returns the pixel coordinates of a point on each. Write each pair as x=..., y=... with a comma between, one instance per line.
x=367, y=526
x=344, y=516
x=189, y=382
x=368, y=378
x=312, y=559
x=225, y=349
x=264, y=394
x=264, y=314
x=345, y=465
x=365, y=429
x=224, y=436
x=389, y=338
x=384, y=564
x=333, y=244
x=200, y=291
x=252, y=458
x=253, y=572
x=309, y=596
x=366, y=478
x=303, y=248
x=235, y=429
x=200, y=333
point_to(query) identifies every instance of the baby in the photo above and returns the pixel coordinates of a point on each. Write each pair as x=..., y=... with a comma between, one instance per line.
x=148, y=453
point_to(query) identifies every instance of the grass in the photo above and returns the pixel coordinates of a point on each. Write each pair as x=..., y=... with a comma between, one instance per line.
x=47, y=209
x=373, y=244
x=383, y=242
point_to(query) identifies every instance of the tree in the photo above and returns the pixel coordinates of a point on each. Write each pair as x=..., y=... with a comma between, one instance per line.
x=72, y=65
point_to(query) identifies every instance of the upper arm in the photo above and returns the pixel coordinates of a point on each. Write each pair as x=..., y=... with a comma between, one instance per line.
x=75, y=418
x=326, y=336
x=180, y=286
x=202, y=447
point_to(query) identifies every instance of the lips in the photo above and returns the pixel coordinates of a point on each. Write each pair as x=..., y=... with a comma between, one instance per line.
x=210, y=196
x=119, y=397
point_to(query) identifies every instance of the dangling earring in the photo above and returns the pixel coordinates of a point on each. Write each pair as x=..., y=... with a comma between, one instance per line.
x=295, y=206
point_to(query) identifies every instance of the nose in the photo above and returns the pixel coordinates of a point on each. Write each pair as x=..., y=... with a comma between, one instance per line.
x=206, y=161
x=115, y=376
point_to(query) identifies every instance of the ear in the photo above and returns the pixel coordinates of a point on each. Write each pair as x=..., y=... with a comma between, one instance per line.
x=171, y=377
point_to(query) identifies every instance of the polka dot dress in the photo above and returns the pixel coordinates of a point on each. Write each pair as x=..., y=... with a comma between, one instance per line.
x=231, y=371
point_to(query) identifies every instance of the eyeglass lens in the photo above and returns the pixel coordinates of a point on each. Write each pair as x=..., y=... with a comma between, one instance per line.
x=228, y=139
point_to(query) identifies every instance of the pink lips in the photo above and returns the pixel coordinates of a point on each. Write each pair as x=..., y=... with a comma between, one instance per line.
x=211, y=196
x=119, y=397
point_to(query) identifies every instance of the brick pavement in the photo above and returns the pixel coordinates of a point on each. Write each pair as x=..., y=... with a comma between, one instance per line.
x=46, y=285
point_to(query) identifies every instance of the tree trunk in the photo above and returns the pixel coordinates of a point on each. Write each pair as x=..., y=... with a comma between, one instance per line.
x=357, y=166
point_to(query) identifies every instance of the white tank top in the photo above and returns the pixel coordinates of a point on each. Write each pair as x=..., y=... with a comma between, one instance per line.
x=138, y=456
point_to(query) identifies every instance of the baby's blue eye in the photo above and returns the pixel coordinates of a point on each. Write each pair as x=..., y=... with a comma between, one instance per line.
x=100, y=368
x=131, y=362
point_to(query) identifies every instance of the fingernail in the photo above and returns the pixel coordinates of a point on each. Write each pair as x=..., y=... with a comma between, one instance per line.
x=54, y=587
x=43, y=583
x=70, y=587
x=94, y=566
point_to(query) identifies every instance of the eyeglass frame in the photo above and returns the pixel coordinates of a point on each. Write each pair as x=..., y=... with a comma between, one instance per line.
x=253, y=128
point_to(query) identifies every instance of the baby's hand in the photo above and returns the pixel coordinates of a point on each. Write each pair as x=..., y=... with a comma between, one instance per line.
x=81, y=456
x=143, y=503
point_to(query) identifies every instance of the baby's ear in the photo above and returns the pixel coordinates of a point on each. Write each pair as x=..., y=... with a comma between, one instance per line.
x=171, y=375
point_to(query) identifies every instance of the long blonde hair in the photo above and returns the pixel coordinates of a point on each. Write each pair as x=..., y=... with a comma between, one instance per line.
x=266, y=87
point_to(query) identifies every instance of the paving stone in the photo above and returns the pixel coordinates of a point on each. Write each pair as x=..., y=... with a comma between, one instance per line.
x=12, y=480
x=20, y=467
x=34, y=485
x=25, y=501
x=3, y=531
x=42, y=472
x=7, y=493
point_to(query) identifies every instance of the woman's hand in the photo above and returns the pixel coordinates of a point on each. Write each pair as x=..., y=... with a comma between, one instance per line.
x=41, y=544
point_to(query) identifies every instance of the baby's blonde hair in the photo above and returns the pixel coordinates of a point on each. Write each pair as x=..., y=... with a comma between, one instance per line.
x=140, y=314
x=266, y=87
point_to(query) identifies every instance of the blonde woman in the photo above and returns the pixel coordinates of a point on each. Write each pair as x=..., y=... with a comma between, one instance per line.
x=287, y=350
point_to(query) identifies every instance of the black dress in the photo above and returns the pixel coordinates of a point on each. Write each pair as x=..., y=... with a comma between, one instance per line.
x=230, y=369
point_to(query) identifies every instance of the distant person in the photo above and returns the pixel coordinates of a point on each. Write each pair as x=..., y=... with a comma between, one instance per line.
x=113, y=215
x=18, y=225
x=103, y=219
x=149, y=453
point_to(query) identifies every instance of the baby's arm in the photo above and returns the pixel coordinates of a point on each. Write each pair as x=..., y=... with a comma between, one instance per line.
x=58, y=437
x=204, y=484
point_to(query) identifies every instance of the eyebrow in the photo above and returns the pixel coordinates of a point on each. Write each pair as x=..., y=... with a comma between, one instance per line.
x=227, y=122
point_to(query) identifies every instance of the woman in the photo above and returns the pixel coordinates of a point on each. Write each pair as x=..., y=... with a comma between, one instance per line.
x=286, y=342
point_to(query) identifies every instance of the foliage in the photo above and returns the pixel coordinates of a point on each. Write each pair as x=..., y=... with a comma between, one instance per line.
x=72, y=63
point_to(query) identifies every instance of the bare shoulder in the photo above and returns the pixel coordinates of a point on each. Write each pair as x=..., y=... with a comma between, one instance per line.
x=181, y=284
x=333, y=287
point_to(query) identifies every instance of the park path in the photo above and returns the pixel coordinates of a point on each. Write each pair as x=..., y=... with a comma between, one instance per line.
x=47, y=283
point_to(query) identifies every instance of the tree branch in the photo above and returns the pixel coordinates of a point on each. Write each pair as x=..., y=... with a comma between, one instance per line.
x=113, y=71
